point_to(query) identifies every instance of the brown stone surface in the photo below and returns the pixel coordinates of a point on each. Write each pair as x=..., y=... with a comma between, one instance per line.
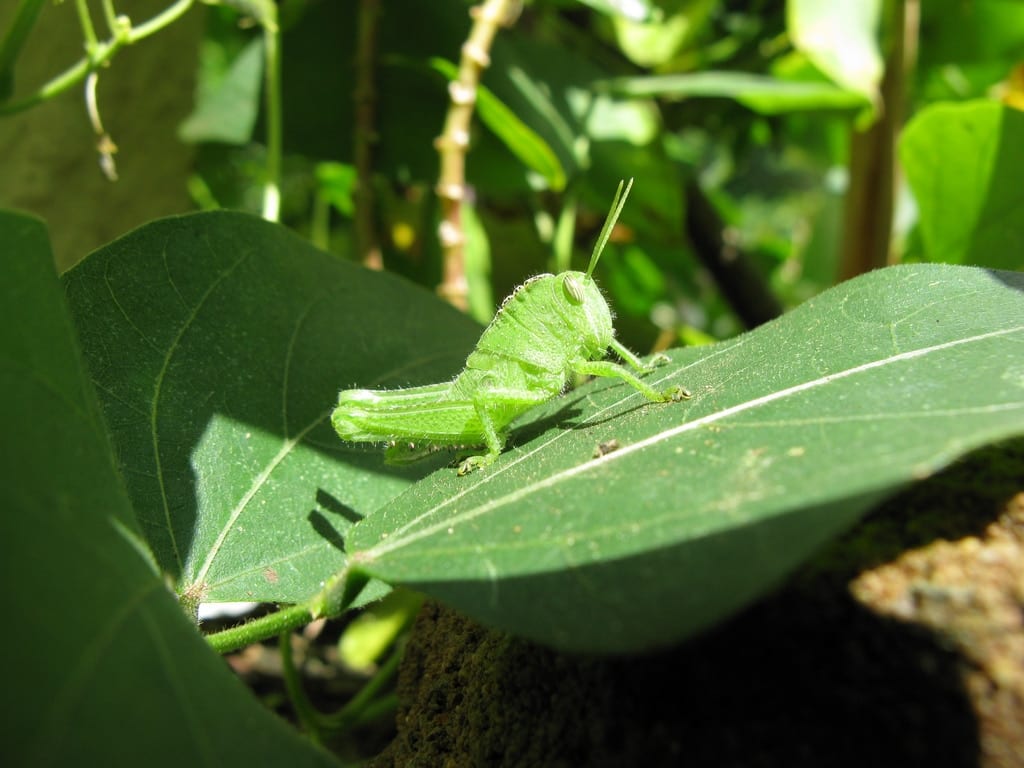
x=971, y=591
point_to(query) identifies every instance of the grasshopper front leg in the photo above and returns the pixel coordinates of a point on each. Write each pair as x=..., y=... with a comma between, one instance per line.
x=610, y=369
x=635, y=362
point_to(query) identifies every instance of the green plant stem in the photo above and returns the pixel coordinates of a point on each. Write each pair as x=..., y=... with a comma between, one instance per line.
x=337, y=594
x=170, y=14
x=99, y=56
x=361, y=708
x=284, y=620
x=88, y=32
x=110, y=15
x=357, y=709
x=375, y=710
x=272, y=94
x=319, y=225
x=308, y=715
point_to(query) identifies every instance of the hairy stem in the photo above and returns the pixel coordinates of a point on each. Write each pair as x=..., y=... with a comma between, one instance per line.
x=454, y=141
x=336, y=596
x=284, y=620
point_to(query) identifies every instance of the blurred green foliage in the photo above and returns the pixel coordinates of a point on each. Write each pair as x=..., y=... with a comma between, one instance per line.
x=753, y=105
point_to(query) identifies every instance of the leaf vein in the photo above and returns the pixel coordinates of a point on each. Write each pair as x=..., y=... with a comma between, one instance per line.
x=158, y=390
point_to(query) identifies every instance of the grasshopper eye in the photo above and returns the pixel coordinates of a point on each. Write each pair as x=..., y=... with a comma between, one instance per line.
x=573, y=290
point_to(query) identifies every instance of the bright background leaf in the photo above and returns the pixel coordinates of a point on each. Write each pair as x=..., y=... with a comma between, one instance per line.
x=964, y=165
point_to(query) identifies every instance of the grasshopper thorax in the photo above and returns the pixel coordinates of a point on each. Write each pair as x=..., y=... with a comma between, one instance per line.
x=555, y=315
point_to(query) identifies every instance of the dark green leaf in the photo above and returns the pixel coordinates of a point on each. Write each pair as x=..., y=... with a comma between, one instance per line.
x=520, y=139
x=218, y=343
x=108, y=669
x=965, y=163
x=228, y=97
x=763, y=94
x=793, y=432
x=596, y=136
x=318, y=81
x=13, y=40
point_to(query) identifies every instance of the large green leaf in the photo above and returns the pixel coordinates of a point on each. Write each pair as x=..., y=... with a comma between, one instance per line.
x=105, y=668
x=218, y=343
x=965, y=163
x=794, y=430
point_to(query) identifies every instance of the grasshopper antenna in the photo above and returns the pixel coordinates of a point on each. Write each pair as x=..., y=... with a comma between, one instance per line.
x=613, y=215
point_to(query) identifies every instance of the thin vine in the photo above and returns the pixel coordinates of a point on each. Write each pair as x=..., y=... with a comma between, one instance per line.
x=98, y=53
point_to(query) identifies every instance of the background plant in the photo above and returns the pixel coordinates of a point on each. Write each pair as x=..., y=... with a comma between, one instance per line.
x=181, y=376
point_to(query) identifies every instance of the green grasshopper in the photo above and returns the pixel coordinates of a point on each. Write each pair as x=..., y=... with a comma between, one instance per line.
x=549, y=328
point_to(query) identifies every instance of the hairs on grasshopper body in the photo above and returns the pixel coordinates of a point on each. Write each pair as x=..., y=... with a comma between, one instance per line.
x=549, y=328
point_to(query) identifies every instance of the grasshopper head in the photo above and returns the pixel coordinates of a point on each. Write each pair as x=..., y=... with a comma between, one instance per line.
x=580, y=291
